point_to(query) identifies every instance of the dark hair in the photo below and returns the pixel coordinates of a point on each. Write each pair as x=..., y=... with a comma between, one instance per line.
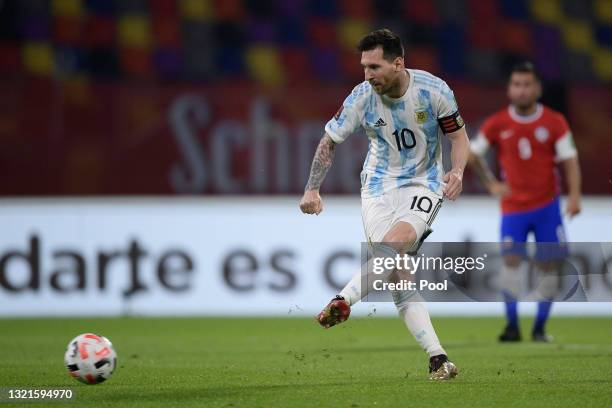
x=391, y=44
x=525, y=67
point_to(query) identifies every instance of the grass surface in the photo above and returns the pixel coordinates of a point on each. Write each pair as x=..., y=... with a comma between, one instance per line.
x=364, y=362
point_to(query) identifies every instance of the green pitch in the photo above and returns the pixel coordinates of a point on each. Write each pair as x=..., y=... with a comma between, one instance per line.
x=292, y=362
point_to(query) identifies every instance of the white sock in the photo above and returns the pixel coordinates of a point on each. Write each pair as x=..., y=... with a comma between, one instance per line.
x=547, y=284
x=413, y=311
x=511, y=279
x=353, y=291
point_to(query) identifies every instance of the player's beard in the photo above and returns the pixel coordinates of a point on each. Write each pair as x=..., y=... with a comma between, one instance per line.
x=378, y=87
x=385, y=90
x=524, y=107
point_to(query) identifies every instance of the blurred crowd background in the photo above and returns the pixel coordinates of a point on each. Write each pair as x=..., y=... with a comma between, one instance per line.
x=109, y=97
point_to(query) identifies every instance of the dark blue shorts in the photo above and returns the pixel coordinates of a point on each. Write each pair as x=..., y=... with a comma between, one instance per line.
x=547, y=226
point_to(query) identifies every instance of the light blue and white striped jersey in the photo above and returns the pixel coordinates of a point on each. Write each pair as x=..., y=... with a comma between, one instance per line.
x=404, y=133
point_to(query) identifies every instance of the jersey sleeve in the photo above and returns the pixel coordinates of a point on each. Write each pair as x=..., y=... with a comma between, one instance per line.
x=448, y=112
x=480, y=144
x=348, y=118
x=564, y=141
x=485, y=138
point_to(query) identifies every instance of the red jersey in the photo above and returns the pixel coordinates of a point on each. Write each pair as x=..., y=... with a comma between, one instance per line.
x=528, y=148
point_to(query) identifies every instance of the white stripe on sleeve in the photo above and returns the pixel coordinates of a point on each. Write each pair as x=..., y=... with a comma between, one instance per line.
x=479, y=145
x=565, y=148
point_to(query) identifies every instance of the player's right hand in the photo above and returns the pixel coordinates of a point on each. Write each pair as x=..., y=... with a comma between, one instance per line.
x=311, y=202
x=573, y=206
x=498, y=189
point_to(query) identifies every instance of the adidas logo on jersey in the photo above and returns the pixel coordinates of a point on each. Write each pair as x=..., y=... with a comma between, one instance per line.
x=380, y=122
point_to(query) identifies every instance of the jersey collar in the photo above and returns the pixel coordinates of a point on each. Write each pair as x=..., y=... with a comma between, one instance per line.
x=525, y=119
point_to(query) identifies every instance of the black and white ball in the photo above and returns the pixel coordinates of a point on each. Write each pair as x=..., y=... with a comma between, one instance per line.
x=90, y=358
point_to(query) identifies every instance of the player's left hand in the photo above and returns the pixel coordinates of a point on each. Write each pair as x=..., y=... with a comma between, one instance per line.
x=572, y=208
x=454, y=184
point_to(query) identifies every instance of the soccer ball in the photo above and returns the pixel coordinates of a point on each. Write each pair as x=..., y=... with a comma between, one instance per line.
x=90, y=358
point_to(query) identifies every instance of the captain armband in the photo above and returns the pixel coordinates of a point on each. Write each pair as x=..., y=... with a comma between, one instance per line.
x=452, y=123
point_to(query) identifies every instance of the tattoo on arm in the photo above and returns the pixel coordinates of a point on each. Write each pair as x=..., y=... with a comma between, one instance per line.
x=321, y=162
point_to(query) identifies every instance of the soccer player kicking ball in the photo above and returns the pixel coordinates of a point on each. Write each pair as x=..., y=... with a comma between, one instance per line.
x=530, y=140
x=403, y=112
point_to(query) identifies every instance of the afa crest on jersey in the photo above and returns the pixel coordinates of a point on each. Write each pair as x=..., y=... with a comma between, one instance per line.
x=421, y=117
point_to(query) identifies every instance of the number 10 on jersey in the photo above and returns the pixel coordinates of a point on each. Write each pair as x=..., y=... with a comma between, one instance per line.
x=400, y=139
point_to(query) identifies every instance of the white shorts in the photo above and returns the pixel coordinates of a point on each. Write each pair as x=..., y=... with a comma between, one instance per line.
x=415, y=205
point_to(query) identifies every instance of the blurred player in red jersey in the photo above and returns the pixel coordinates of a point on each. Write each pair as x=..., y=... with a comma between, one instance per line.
x=530, y=140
